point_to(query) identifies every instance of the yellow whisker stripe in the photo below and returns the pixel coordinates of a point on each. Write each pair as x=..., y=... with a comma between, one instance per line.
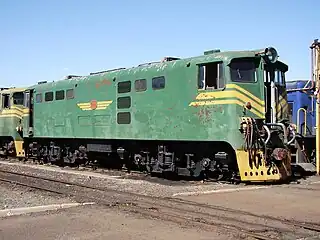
x=225, y=102
x=247, y=93
x=232, y=91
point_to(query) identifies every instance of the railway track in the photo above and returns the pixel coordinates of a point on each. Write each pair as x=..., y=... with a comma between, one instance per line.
x=134, y=174
x=184, y=212
x=123, y=172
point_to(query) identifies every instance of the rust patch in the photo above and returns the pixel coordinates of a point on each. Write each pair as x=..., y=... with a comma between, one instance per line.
x=204, y=114
x=106, y=82
x=103, y=82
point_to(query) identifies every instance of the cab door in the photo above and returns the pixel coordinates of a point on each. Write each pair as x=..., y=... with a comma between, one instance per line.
x=276, y=107
x=282, y=108
x=28, y=118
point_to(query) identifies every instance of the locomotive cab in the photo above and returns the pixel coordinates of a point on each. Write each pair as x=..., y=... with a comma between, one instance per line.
x=246, y=91
x=274, y=130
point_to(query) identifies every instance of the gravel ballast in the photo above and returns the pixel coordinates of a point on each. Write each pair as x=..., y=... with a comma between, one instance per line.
x=14, y=196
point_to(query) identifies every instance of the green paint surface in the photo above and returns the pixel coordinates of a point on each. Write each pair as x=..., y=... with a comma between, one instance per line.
x=162, y=114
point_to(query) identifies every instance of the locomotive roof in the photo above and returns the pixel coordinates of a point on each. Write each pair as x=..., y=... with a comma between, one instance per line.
x=293, y=84
x=226, y=56
x=12, y=90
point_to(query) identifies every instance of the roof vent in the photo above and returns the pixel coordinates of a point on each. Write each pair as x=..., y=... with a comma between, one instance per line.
x=211, y=51
x=169, y=59
x=42, y=82
x=110, y=70
x=71, y=76
x=147, y=64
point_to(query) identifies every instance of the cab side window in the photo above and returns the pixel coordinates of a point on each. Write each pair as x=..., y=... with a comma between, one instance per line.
x=18, y=98
x=210, y=76
x=243, y=70
x=5, y=101
x=26, y=99
x=280, y=77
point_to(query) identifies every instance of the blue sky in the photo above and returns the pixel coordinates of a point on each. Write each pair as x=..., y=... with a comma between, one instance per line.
x=46, y=40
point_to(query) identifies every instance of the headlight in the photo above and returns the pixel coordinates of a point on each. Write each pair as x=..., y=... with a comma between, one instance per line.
x=272, y=54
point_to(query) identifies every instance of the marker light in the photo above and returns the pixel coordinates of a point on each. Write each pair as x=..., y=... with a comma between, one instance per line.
x=248, y=105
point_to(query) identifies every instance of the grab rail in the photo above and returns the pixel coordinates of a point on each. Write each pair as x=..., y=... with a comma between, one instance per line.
x=285, y=133
x=305, y=121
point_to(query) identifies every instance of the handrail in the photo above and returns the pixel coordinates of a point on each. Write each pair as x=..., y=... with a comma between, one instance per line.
x=274, y=93
x=293, y=137
x=266, y=97
x=305, y=121
x=269, y=134
x=285, y=133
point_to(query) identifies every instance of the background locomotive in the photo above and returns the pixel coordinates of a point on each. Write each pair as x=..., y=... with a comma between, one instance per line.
x=222, y=114
x=302, y=104
x=12, y=112
x=302, y=113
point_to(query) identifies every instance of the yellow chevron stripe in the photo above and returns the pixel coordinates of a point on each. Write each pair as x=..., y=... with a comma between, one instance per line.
x=14, y=111
x=10, y=115
x=17, y=109
x=282, y=106
x=243, y=96
x=246, y=92
x=230, y=94
x=282, y=111
x=224, y=102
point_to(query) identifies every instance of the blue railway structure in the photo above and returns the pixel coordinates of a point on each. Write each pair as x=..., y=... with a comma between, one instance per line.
x=302, y=113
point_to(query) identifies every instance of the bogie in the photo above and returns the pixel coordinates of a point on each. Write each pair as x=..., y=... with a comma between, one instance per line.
x=187, y=159
x=7, y=147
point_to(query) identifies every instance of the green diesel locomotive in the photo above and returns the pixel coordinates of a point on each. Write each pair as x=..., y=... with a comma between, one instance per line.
x=223, y=115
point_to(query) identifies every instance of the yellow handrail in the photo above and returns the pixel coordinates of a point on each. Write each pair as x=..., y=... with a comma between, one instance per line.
x=305, y=120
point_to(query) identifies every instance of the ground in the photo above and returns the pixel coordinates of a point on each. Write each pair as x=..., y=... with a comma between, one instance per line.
x=13, y=196
x=298, y=201
x=79, y=222
x=94, y=222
